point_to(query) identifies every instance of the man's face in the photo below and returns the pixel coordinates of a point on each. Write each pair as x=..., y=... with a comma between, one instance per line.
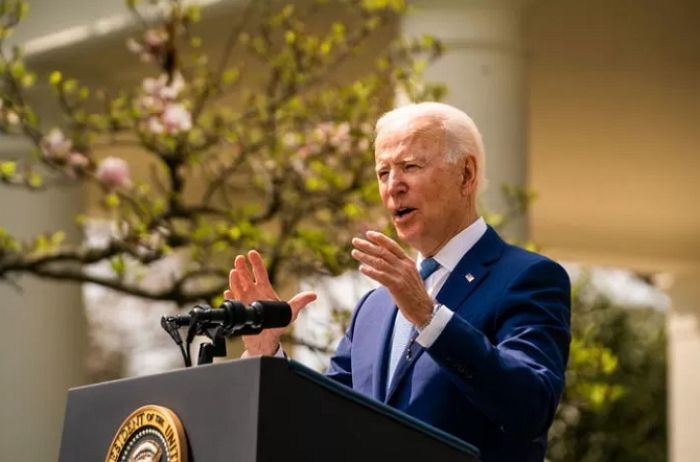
x=426, y=195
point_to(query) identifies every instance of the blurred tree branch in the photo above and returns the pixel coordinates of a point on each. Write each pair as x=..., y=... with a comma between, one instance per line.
x=288, y=170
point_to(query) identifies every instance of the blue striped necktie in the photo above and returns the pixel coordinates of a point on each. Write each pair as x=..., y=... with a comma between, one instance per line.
x=403, y=328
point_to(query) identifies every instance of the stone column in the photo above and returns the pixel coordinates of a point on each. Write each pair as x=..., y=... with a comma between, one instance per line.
x=42, y=344
x=483, y=69
x=684, y=366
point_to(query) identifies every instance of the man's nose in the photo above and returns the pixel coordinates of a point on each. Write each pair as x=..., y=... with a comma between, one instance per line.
x=396, y=183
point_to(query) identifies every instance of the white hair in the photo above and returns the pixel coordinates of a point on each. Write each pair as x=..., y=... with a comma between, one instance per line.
x=461, y=136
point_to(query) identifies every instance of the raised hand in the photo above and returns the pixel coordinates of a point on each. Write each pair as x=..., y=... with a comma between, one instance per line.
x=247, y=287
x=383, y=260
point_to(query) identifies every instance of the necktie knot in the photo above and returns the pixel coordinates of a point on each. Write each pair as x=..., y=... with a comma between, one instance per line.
x=428, y=267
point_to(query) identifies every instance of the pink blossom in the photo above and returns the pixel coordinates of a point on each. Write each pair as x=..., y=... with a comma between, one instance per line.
x=148, y=103
x=323, y=131
x=151, y=46
x=55, y=146
x=171, y=90
x=363, y=144
x=335, y=135
x=340, y=137
x=291, y=140
x=12, y=118
x=154, y=125
x=133, y=45
x=113, y=172
x=150, y=85
x=155, y=38
x=78, y=160
x=9, y=116
x=161, y=88
x=162, y=113
x=176, y=118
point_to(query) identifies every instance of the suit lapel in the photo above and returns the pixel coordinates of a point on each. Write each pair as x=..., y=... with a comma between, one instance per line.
x=471, y=270
x=386, y=324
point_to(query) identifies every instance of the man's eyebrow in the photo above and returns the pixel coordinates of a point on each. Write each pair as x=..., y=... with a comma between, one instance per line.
x=400, y=162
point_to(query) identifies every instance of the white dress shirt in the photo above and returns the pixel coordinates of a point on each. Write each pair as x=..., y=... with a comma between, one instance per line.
x=448, y=257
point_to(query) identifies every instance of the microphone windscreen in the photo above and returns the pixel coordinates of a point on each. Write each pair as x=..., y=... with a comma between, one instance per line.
x=275, y=313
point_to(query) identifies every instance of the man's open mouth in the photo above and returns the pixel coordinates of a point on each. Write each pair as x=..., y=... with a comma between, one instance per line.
x=403, y=211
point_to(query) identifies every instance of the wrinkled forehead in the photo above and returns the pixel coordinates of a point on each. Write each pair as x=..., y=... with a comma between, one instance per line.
x=424, y=132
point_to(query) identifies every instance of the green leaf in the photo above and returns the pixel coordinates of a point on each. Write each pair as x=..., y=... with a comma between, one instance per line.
x=234, y=233
x=18, y=70
x=218, y=300
x=194, y=13
x=111, y=200
x=55, y=77
x=338, y=31
x=35, y=180
x=230, y=75
x=290, y=37
x=352, y=210
x=28, y=80
x=57, y=238
x=118, y=266
x=41, y=244
x=314, y=184
x=70, y=85
x=8, y=169
x=22, y=10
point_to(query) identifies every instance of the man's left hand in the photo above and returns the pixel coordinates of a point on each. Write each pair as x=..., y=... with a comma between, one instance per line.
x=383, y=260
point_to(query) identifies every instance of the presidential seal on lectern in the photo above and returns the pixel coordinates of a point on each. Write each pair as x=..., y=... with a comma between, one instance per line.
x=149, y=434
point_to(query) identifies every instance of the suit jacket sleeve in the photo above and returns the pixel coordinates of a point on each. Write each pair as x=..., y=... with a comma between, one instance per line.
x=516, y=377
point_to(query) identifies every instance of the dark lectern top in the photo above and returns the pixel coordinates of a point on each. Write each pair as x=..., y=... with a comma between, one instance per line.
x=256, y=410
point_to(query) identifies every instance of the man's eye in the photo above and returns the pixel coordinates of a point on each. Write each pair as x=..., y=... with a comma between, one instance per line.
x=382, y=174
x=410, y=167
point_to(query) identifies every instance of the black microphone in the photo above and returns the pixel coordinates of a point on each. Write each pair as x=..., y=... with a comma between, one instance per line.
x=233, y=316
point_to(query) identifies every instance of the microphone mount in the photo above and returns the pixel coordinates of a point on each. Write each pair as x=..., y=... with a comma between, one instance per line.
x=232, y=318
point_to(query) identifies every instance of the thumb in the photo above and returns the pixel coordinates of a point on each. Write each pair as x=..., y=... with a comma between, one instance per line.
x=299, y=301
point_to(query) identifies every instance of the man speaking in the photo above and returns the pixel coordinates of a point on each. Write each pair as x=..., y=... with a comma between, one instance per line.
x=472, y=336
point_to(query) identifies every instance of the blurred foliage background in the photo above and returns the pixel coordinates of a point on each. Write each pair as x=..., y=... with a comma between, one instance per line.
x=282, y=162
x=614, y=406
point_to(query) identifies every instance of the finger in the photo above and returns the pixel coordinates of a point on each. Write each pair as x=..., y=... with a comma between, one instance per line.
x=378, y=263
x=231, y=276
x=233, y=284
x=242, y=271
x=386, y=242
x=228, y=295
x=375, y=274
x=299, y=301
x=236, y=285
x=380, y=257
x=369, y=248
x=259, y=270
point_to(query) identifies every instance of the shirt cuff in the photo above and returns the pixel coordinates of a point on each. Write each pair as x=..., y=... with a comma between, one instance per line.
x=278, y=354
x=430, y=333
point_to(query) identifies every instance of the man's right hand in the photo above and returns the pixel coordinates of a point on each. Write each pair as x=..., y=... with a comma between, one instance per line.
x=248, y=287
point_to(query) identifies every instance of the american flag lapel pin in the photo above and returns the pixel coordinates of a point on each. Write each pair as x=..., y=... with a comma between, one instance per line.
x=469, y=277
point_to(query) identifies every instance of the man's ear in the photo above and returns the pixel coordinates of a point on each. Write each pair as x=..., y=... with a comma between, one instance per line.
x=469, y=170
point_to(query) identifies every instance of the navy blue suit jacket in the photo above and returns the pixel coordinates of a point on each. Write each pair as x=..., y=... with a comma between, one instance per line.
x=495, y=374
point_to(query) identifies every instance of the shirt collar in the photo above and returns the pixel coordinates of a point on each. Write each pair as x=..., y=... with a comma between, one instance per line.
x=452, y=252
